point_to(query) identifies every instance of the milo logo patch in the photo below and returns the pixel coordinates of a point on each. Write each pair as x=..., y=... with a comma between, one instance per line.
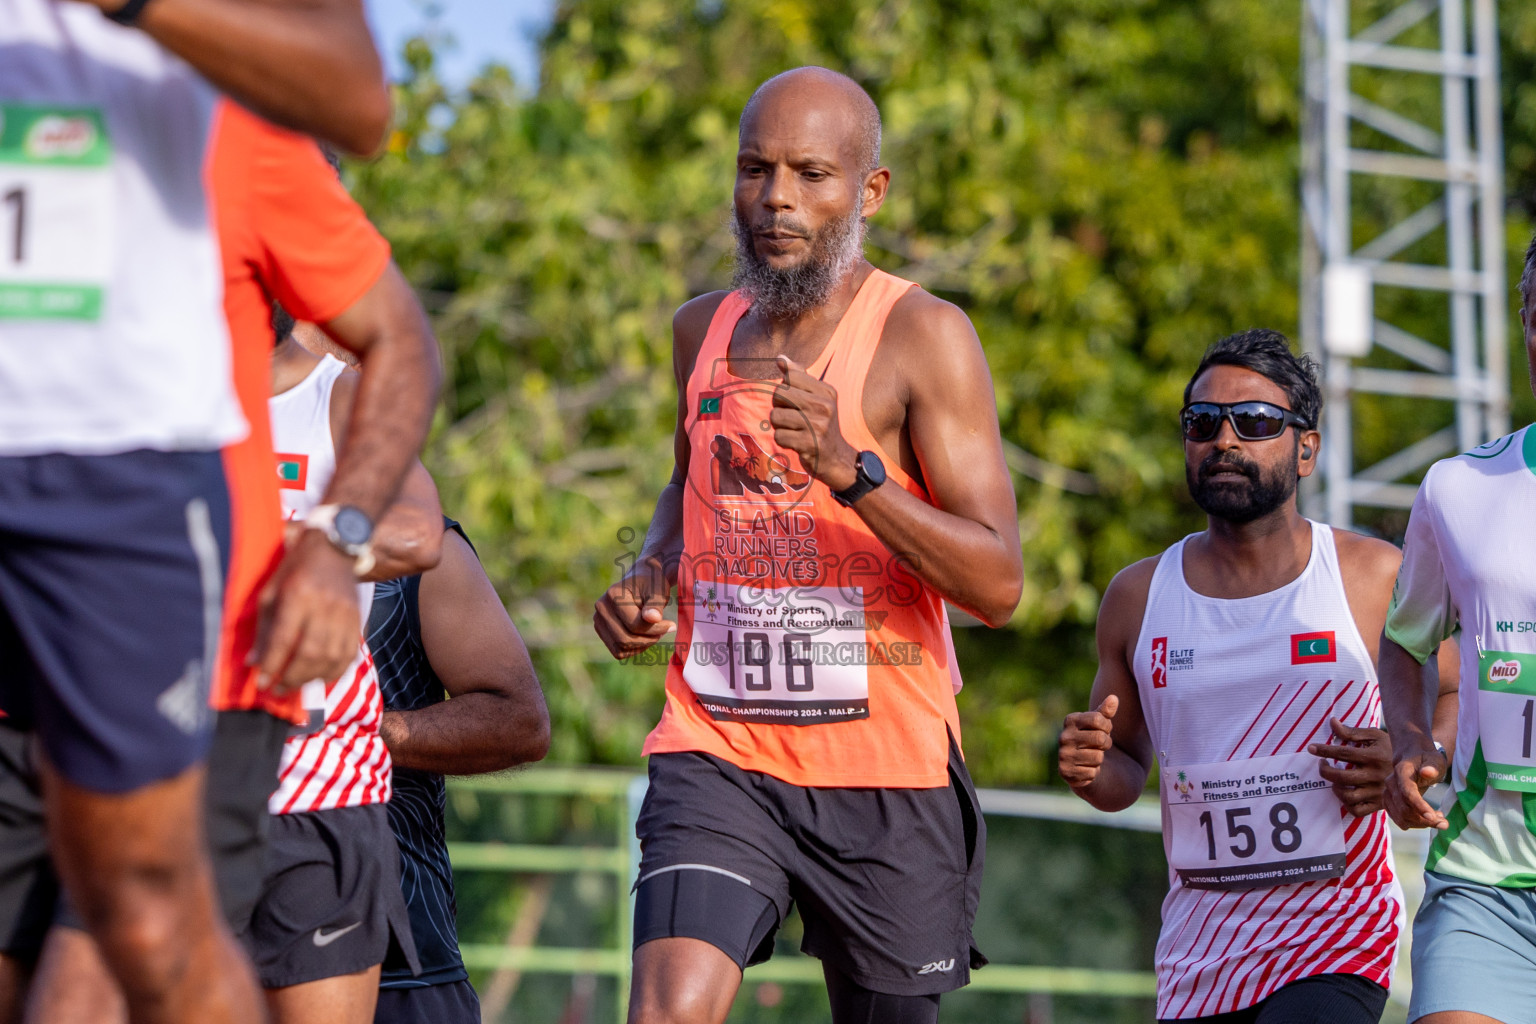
x=1504, y=671
x=58, y=136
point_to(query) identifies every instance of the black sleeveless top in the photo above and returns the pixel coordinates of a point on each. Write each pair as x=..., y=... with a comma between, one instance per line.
x=420, y=799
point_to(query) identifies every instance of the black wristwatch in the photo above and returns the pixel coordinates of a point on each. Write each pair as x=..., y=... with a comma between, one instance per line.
x=871, y=474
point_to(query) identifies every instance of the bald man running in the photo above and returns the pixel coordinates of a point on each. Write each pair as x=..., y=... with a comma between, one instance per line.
x=839, y=475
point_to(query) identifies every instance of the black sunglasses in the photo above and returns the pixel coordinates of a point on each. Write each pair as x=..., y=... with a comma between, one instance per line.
x=1251, y=421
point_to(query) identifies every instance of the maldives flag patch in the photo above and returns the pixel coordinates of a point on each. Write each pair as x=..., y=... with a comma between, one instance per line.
x=1311, y=648
x=292, y=471
x=709, y=404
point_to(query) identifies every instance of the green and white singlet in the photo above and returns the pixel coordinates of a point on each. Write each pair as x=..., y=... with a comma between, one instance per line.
x=112, y=330
x=1469, y=570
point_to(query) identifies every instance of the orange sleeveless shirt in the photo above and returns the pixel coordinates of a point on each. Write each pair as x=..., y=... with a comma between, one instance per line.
x=806, y=649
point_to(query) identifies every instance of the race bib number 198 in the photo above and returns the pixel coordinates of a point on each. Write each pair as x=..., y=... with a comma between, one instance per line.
x=791, y=656
x=1260, y=822
x=56, y=213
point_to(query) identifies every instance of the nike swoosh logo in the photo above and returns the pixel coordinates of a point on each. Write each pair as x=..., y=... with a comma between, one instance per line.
x=322, y=939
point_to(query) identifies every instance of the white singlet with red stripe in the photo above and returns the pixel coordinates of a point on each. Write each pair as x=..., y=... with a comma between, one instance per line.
x=1233, y=692
x=342, y=762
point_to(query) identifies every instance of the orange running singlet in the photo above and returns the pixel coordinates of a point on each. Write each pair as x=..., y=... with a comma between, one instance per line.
x=288, y=231
x=806, y=649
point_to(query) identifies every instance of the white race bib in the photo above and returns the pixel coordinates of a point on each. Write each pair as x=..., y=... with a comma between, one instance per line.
x=57, y=213
x=312, y=697
x=1506, y=712
x=791, y=656
x=1259, y=822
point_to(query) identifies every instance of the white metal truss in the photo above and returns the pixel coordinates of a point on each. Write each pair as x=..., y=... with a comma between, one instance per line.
x=1466, y=361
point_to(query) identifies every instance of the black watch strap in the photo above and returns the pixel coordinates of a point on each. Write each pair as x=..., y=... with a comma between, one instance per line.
x=128, y=13
x=864, y=482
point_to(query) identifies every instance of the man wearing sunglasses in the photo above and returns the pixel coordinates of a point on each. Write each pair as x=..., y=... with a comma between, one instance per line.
x=1243, y=659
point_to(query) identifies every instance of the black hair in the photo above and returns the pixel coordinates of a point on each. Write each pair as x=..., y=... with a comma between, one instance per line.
x=1268, y=353
x=282, y=324
x=1528, y=275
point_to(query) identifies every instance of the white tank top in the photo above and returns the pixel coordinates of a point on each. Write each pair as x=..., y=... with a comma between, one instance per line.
x=340, y=761
x=112, y=331
x=1270, y=880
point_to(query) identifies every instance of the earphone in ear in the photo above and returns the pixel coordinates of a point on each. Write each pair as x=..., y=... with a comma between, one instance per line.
x=1306, y=451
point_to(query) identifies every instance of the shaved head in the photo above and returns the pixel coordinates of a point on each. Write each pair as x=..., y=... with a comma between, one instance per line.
x=816, y=90
x=807, y=174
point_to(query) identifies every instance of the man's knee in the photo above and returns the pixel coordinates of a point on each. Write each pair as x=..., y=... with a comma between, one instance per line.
x=144, y=934
x=134, y=865
x=682, y=981
x=673, y=1005
x=147, y=911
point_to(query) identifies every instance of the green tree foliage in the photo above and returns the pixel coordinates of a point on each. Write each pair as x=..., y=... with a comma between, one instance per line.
x=1106, y=186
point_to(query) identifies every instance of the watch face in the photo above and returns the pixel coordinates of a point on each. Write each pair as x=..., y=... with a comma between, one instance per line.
x=353, y=526
x=873, y=468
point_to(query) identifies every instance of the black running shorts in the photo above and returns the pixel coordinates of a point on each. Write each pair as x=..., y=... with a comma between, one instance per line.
x=887, y=880
x=452, y=1002
x=332, y=904
x=1320, y=999
x=29, y=891
x=242, y=772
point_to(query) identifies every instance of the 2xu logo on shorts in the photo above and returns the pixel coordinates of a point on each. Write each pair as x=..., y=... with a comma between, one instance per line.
x=937, y=967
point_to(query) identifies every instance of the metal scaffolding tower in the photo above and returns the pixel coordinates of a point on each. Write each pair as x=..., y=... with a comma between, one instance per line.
x=1358, y=156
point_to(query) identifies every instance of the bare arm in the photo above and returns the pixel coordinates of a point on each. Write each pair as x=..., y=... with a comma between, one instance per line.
x=1106, y=754
x=496, y=717
x=303, y=628
x=952, y=423
x=1448, y=704
x=1369, y=569
x=309, y=65
x=1411, y=703
x=409, y=536
x=628, y=617
x=396, y=392
x=1422, y=617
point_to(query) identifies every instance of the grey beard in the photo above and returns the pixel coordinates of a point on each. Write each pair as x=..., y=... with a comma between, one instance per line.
x=794, y=291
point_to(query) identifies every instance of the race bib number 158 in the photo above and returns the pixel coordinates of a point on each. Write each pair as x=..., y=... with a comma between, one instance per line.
x=56, y=213
x=1259, y=822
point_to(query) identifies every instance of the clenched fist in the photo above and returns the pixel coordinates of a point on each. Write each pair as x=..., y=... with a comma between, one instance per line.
x=1085, y=739
x=804, y=421
x=628, y=617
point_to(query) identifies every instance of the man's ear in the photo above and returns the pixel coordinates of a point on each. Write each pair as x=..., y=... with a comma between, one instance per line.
x=876, y=184
x=1310, y=444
